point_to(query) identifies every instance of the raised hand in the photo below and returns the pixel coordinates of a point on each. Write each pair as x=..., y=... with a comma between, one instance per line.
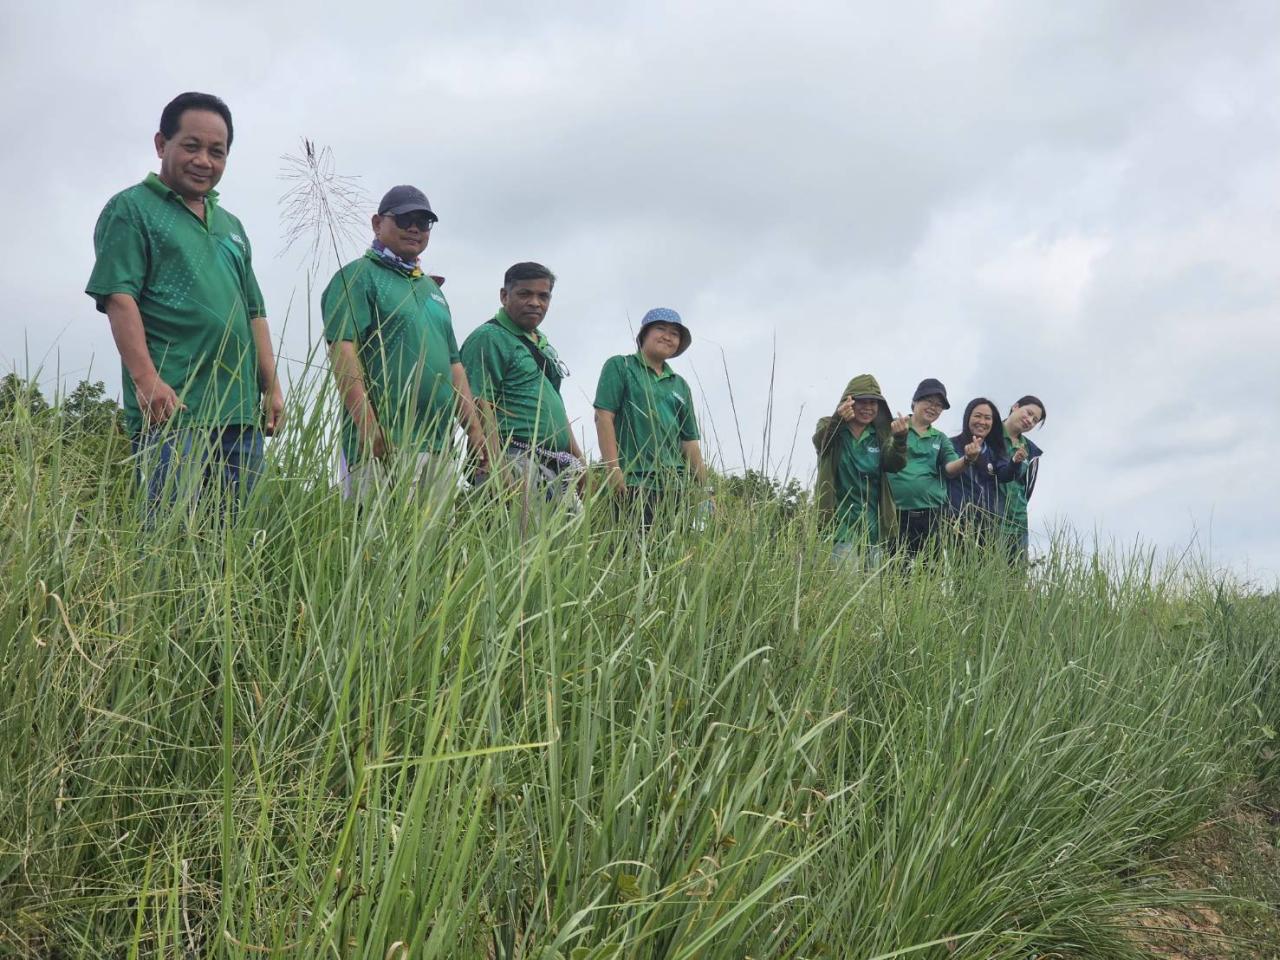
x=1020, y=455
x=845, y=410
x=900, y=425
x=973, y=449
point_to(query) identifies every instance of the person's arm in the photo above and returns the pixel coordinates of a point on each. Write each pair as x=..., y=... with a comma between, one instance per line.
x=482, y=360
x=268, y=379
x=829, y=428
x=469, y=415
x=348, y=374
x=607, y=437
x=956, y=461
x=157, y=400
x=692, y=451
x=1006, y=470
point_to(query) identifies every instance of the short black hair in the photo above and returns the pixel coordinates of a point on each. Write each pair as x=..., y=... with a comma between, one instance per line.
x=1032, y=398
x=171, y=115
x=527, y=270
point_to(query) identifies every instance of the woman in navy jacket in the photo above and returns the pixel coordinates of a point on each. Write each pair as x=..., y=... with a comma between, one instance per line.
x=977, y=500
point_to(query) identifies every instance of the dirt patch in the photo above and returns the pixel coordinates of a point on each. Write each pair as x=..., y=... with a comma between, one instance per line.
x=1235, y=861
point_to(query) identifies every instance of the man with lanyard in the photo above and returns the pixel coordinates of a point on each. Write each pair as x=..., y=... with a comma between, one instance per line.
x=517, y=374
x=395, y=357
x=645, y=422
x=174, y=275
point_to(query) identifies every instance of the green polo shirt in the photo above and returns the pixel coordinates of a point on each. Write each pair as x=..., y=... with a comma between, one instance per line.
x=194, y=285
x=922, y=483
x=403, y=333
x=1016, y=516
x=857, y=487
x=653, y=416
x=501, y=371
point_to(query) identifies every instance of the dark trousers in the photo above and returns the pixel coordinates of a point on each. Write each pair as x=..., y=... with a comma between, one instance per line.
x=190, y=461
x=644, y=504
x=916, y=527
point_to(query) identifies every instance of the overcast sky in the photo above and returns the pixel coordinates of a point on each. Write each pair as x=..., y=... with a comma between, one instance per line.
x=1078, y=200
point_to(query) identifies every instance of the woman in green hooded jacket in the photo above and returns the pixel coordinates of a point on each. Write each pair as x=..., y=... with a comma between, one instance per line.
x=856, y=451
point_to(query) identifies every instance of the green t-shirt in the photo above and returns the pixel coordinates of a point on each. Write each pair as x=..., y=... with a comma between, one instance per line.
x=1016, y=516
x=501, y=371
x=194, y=285
x=403, y=332
x=922, y=483
x=857, y=487
x=653, y=416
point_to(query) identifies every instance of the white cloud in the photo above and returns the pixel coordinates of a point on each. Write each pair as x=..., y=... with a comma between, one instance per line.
x=1075, y=200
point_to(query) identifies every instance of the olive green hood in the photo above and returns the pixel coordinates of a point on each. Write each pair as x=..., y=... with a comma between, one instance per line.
x=826, y=441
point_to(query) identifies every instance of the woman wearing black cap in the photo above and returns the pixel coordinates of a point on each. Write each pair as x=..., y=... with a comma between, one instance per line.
x=1024, y=416
x=920, y=487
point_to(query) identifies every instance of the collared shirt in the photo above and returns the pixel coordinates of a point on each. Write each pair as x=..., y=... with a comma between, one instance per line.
x=194, y=284
x=501, y=371
x=857, y=487
x=401, y=326
x=653, y=415
x=922, y=483
x=1016, y=520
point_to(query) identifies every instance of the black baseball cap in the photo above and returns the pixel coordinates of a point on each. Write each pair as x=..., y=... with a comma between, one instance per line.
x=930, y=387
x=405, y=199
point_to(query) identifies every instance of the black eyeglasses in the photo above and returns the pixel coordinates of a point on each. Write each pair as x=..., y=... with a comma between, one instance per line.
x=416, y=218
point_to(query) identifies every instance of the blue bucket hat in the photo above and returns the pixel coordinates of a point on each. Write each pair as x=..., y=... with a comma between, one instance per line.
x=664, y=315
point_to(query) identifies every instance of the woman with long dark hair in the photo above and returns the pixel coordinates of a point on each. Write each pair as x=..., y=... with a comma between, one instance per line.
x=977, y=499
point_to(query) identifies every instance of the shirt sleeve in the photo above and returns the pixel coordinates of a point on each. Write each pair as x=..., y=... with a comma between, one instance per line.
x=610, y=388
x=485, y=362
x=120, y=253
x=451, y=341
x=688, y=418
x=948, y=451
x=344, y=307
x=253, y=300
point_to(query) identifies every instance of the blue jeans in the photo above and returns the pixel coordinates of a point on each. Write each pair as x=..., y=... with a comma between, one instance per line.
x=188, y=461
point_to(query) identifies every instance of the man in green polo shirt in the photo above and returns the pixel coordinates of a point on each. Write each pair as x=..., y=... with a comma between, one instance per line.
x=395, y=357
x=645, y=422
x=516, y=375
x=174, y=275
x=920, y=487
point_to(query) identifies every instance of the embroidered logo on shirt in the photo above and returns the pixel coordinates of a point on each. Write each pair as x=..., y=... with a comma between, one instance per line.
x=237, y=238
x=438, y=299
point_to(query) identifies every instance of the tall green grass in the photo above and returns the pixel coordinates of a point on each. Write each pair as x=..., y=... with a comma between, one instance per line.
x=412, y=732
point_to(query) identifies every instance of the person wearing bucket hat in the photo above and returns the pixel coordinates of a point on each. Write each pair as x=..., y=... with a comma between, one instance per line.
x=855, y=456
x=920, y=487
x=395, y=356
x=645, y=421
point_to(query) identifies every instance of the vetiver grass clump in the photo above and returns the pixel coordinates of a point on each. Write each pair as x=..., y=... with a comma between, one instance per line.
x=413, y=731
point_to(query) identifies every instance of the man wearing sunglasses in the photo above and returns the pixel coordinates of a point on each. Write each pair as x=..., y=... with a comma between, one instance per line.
x=517, y=375
x=395, y=358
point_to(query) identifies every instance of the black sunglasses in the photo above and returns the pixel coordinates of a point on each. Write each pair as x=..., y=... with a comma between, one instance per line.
x=417, y=218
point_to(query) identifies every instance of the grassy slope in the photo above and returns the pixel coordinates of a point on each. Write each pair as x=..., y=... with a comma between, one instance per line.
x=323, y=734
